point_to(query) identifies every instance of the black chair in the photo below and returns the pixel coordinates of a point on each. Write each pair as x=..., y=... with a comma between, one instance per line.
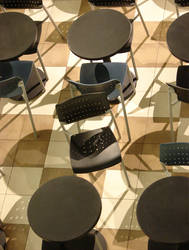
x=117, y=3
x=112, y=78
x=14, y=78
x=174, y=154
x=181, y=88
x=92, y=150
x=180, y=3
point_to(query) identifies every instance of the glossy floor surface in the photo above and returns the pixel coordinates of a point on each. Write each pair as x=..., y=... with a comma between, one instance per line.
x=26, y=162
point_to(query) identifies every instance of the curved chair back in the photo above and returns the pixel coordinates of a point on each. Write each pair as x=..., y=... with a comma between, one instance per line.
x=106, y=87
x=112, y=2
x=182, y=93
x=176, y=153
x=21, y=4
x=82, y=107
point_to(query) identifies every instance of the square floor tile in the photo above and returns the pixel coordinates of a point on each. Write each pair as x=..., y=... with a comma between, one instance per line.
x=14, y=209
x=31, y=154
x=116, y=186
x=116, y=214
x=137, y=240
x=16, y=235
x=24, y=181
x=7, y=152
x=5, y=173
x=58, y=155
x=183, y=130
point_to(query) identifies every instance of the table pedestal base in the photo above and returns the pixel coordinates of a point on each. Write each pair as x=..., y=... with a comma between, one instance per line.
x=33, y=88
x=152, y=245
x=88, y=242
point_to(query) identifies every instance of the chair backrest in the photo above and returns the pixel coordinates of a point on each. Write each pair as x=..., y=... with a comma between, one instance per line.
x=107, y=87
x=9, y=87
x=182, y=2
x=175, y=153
x=182, y=93
x=112, y=2
x=82, y=107
x=21, y=4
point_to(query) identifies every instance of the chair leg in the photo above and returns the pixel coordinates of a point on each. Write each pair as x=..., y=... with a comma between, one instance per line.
x=21, y=85
x=165, y=169
x=134, y=64
x=39, y=77
x=98, y=243
x=124, y=113
x=138, y=10
x=42, y=65
x=171, y=114
x=114, y=120
x=131, y=80
x=177, y=9
x=56, y=27
x=125, y=172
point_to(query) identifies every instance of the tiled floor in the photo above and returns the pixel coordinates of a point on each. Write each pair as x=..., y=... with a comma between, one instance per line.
x=26, y=162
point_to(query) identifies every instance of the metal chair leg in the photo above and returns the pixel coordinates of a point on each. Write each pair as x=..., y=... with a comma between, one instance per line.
x=171, y=114
x=177, y=9
x=21, y=85
x=114, y=120
x=39, y=77
x=134, y=64
x=138, y=10
x=98, y=243
x=165, y=169
x=125, y=172
x=131, y=80
x=56, y=27
x=42, y=65
x=124, y=112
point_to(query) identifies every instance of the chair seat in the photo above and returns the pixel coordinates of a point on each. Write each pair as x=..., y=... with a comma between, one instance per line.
x=94, y=150
x=22, y=4
x=183, y=77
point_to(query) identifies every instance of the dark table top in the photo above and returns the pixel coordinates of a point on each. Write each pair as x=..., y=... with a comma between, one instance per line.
x=17, y=33
x=178, y=38
x=64, y=209
x=163, y=210
x=99, y=34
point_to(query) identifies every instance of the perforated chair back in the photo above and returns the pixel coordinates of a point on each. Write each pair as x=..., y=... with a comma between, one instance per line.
x=182, y=93
x=82, y=107
x=176, y=153
x=112, y=2
x=21, y=4
x=182, y=2
x=106, y=87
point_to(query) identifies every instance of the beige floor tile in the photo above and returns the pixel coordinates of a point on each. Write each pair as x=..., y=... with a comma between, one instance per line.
x=116, y=186
x=183, y=130
x=34, y=242
x=184, y=110
x=74, y=60
x=31, y=154
x=170, y=10
x=17, y=236
x=43, y=124
x=27, y=181
x=116, y=214
x=116, y=239
x=131, y=155
x=134, y=222
x=84, y=7
x=11, y=127
x=145, y=81
x=137, y=240
x=60, y=50
x=7, y=152
x=14, y=209
x=5, y=173
x=53, y=35
x=158, y=130
x=51, y=173
x=57, y=155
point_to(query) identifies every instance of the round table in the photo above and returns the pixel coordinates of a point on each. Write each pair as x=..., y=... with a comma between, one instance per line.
x=163, y=211
x=99, y=34
x=178, y=37
x=18, y=34
x=64, y=211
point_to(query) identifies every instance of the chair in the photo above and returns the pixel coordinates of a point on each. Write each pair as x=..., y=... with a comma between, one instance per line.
x=92, y=150
x=181, y=3
x=14, y=79
x=117, y=3
x=174, y=154
x=112, y=78
x=181, y=88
